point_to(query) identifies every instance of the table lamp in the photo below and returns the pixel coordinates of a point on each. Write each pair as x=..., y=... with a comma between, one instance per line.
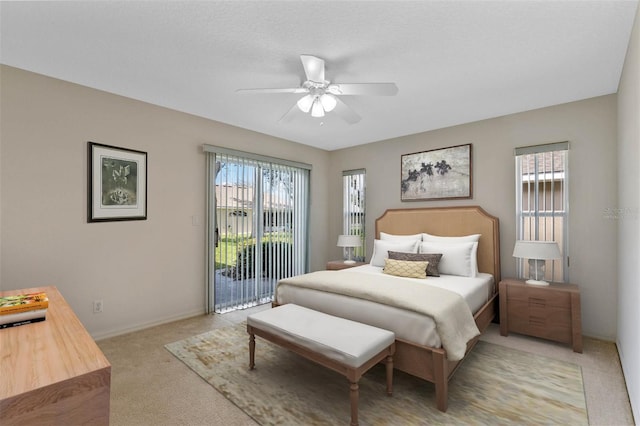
x=537, y=252
x=349, y=242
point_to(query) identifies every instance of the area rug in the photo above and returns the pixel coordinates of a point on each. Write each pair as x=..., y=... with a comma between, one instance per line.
x=494, y=385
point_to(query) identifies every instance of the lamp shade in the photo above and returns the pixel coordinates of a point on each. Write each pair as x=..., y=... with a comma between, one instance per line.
x=305, y=103
x=328, y=102
x=316, y=108
x=349, y=241
x=536, y=250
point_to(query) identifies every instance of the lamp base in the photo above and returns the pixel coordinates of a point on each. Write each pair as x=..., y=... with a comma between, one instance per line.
x=349, y=262
x=536, y=282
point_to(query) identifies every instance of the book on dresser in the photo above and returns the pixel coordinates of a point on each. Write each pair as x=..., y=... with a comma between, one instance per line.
x=22, y=318
x=22, y=309
x=23, y=302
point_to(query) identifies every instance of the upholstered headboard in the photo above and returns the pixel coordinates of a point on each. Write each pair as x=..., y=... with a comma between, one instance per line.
x=449, y=221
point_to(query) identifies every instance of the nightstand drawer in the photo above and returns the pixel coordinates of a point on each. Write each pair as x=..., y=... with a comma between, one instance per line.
x=560, y=316
x=539, y=327
x=551, y=322
x=539, y=297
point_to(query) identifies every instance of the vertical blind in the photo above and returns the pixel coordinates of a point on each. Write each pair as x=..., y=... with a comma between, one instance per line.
x=258, y=226
x=354, y=203
x=542, y=202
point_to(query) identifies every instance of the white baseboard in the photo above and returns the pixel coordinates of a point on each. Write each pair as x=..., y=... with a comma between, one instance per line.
x=629, y=382
x=141, y=326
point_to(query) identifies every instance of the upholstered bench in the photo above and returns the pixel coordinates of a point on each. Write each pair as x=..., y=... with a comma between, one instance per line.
x=347, y=347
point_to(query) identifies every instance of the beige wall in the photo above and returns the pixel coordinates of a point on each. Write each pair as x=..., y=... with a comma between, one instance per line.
x=629, y=219
x=146, y=272
x=46, y=240
x=589, y=126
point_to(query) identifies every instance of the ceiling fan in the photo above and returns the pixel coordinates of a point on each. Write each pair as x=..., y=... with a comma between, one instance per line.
x=322, y=96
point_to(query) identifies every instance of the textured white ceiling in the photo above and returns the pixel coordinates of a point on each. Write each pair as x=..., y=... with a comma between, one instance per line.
x=453, y=61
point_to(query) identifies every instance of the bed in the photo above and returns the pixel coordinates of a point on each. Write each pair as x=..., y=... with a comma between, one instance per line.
x=420, y=340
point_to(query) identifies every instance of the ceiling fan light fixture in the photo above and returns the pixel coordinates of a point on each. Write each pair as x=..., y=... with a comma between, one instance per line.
x=305, y=103
x=317, y=110
x=320, y=96
x=328, y=101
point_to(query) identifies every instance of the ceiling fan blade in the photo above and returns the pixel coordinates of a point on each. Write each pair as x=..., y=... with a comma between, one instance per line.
x=343, y=111
x=376, y=89
x=283, y=90
x=313, y=68
x=290, y=114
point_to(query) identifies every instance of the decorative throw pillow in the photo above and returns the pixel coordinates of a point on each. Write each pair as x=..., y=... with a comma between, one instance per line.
x=405, y=268
x=432, y=258
x=380, y=249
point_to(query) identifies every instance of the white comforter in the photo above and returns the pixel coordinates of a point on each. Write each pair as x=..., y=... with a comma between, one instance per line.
x=451, y=314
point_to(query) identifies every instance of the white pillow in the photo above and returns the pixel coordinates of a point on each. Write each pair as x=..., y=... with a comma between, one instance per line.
x=439, y=239
x=455, y=240
x=381, y=250
x=392, y=237
x=457, y=258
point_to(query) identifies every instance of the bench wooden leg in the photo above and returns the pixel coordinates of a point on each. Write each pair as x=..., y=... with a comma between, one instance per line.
x=252, y=350
x=389, y=365
x=354, y=403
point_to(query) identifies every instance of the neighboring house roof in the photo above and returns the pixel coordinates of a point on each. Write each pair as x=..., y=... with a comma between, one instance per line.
x=242, y=197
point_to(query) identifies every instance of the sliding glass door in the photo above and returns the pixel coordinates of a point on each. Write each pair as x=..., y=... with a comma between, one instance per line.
x=258, y=226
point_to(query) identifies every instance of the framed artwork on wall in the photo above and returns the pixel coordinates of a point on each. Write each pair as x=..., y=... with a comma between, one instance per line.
x=117, y=183
x=438, y=174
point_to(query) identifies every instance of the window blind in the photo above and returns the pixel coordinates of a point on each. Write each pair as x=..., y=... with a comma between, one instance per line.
x=354, y=206
x=258, y=226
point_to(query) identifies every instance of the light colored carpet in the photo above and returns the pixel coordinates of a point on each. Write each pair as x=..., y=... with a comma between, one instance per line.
x=494, y=385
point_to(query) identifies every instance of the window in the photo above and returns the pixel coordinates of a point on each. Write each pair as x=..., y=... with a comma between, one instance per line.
x=354, y=202
x=542, y=196
x=258, y=226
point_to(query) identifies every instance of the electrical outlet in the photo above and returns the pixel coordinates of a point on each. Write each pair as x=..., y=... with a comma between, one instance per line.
x=97, y=306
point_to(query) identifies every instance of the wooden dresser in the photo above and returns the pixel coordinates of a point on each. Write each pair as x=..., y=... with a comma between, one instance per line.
x=550, y=312
x=52, y=372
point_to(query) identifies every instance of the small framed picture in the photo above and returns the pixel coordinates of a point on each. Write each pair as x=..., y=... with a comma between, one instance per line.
x=117, y=184
x=438, y=174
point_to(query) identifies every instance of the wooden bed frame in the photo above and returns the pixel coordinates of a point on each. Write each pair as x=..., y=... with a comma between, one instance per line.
x=428, y=363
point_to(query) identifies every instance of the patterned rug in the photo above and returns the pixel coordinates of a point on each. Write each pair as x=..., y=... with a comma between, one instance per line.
x=494, y=385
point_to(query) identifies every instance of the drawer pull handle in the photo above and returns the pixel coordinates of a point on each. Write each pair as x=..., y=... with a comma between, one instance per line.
x=537, y=302
x=537, y=321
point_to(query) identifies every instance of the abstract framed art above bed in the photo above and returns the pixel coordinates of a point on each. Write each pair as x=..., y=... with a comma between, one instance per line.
x=437, y=174
x=420, y=359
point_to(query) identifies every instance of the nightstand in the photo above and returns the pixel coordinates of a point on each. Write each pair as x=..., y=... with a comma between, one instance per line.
x=551, y=312
x=336, y=265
